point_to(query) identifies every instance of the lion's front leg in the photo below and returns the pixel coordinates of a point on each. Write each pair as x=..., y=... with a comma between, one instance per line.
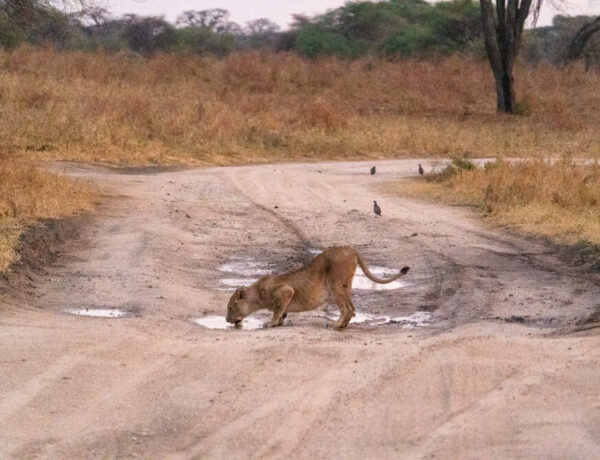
x=282, y=296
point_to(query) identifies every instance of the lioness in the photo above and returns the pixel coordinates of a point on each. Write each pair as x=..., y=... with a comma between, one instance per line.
x=329, y=275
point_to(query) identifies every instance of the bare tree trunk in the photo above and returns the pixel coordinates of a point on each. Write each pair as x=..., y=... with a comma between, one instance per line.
x=505, y=92
x=581, y=38
x=502, y=33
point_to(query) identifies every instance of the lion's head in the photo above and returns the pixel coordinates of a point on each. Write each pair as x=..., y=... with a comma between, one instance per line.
x=238, y=306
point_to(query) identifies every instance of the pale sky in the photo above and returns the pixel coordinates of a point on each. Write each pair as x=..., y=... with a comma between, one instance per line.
x=280, y=11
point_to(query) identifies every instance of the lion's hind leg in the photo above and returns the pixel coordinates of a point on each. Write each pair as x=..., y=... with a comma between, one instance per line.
x=343, y=299
x=339, y=324
x=350, y=309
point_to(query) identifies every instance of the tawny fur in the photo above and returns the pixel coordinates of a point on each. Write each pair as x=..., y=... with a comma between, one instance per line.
x=327, y=276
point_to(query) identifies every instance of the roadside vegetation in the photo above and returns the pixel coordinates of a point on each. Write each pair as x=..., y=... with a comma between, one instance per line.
x=257, y=107
x=28, y=195
x=557, y=199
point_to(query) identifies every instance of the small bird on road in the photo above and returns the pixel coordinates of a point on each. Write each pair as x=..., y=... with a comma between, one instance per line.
x=421, y=171
x=376, y=208
x=373, y=170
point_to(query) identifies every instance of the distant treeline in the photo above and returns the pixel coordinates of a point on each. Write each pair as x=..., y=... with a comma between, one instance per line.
x=390, y=29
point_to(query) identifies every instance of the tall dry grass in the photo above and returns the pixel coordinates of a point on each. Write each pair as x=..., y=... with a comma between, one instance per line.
x=250, y=107
x=28, y=194
x=256, y=107
x=555, y=199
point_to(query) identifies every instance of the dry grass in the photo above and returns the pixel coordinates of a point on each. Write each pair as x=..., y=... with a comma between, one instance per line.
x=28, y=194
x=559, y=200
x=253, y=107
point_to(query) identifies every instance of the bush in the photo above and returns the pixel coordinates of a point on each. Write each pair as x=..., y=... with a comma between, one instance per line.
x=202, y=40
x=408, y=41
x=315, y=40
x=394, y=28
x=145, y=35
x=10, y=35
x=456, y=166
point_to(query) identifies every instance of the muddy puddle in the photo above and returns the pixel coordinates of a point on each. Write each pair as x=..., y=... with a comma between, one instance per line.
x=417, y=319
x=218, y=322
x=98, y=312
x=242, y=273
x=246, y=272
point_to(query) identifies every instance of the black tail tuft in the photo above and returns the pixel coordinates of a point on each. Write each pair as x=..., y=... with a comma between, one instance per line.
x=405, y=270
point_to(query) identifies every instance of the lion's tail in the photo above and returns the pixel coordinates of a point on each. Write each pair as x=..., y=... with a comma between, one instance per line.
x=372, y=277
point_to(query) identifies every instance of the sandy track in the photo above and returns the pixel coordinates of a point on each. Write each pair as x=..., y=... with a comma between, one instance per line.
x=489, y=377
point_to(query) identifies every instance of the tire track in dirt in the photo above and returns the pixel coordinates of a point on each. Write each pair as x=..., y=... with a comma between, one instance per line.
x=287, y=223
x=304, y=405
x=15, y=401
x=156, y=385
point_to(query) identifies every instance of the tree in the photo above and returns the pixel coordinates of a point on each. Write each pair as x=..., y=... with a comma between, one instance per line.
x=502, y=32
x=392, y=28
x=259, y=33
x=147, y=34
x=368, y=21
x=581, y=38
x=456, y=23
x=315, y=40
x=207, y=31
x=217, y=20
x=262, y=26
x=97, y=15
x=36, y=20
x=202, y=40
x=24, y=12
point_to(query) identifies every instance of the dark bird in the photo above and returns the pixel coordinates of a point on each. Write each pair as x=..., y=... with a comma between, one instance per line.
x=421, y=171
x=373, y=170
x=376, y=208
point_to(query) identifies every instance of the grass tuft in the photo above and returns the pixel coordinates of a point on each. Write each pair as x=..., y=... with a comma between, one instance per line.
x=556, y=199
x=28, y=194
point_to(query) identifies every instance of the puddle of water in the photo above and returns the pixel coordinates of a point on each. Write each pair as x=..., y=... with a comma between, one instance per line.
x=315, y=251
x=365, y=317
x=417, y=319
x=237, y=282
x=384, y=272
x=218, y=322
x=98, y=312
x=246, y=268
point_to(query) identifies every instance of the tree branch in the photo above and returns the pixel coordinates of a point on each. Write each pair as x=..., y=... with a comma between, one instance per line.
x=490, y=35
x=581, y=38
x=522, y=14
x=501, y=18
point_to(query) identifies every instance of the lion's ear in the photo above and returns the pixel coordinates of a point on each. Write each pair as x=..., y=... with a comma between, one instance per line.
x=242, y=293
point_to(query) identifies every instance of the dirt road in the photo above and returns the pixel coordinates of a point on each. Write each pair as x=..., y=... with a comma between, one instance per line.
x=485, y=374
